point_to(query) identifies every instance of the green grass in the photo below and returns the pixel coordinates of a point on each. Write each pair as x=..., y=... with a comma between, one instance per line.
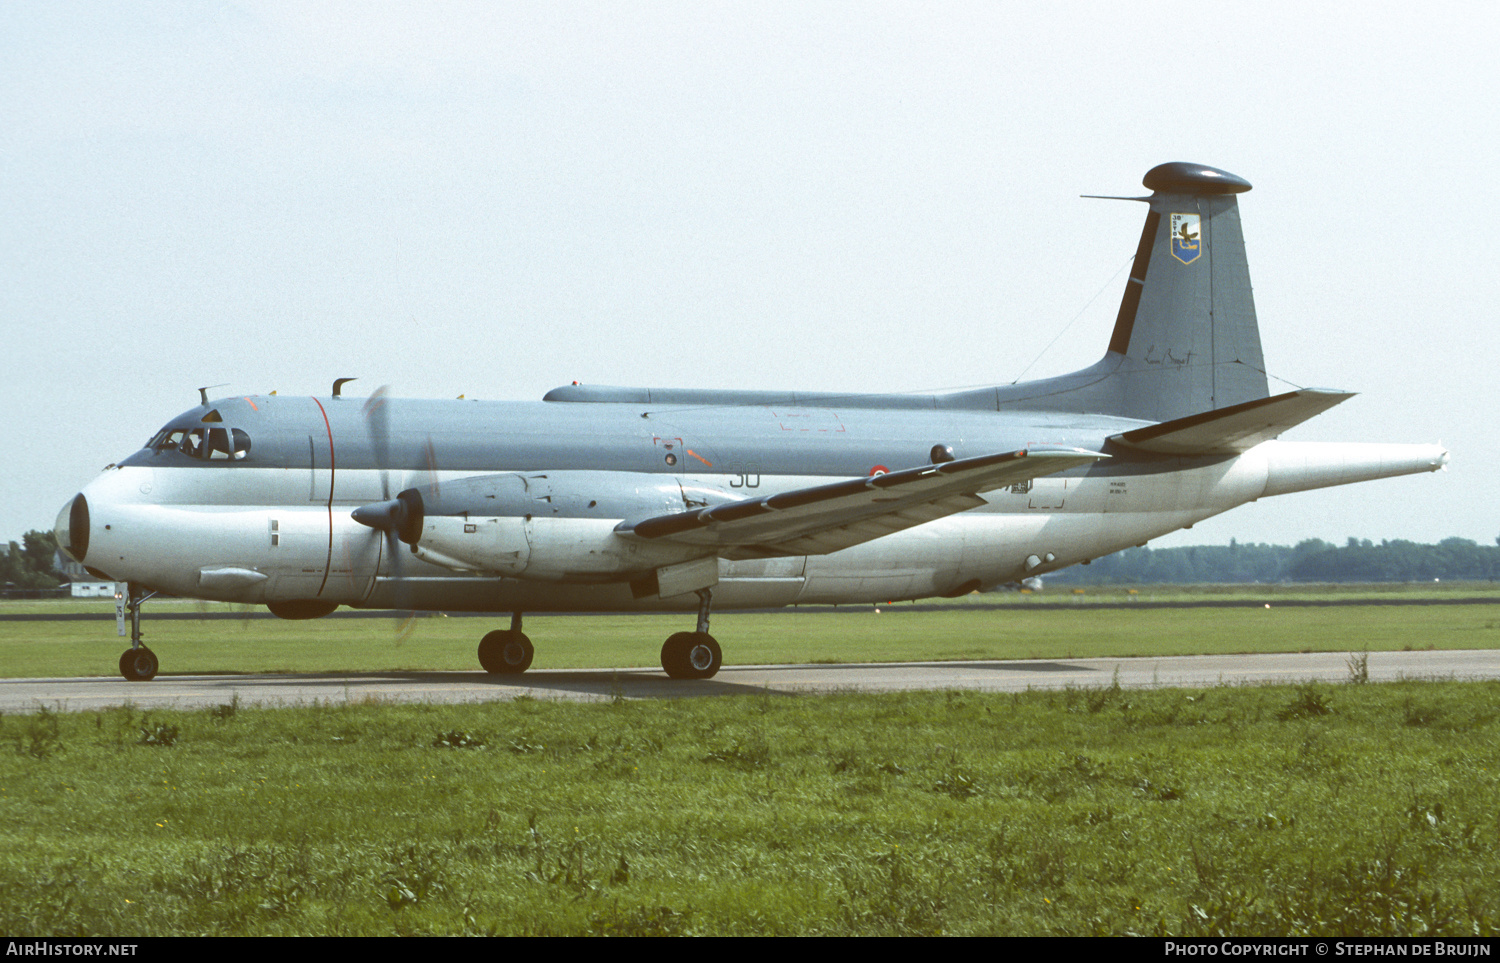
x=1350, y=809
x=976, y=627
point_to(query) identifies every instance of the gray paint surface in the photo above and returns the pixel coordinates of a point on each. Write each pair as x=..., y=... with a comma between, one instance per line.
x=571, y=503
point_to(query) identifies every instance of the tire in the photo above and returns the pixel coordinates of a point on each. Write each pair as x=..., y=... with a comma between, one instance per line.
x=504, y=652
x=138, y=665
x=691, y=655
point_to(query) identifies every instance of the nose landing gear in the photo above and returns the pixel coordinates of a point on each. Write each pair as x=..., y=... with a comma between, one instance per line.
x=137, y=663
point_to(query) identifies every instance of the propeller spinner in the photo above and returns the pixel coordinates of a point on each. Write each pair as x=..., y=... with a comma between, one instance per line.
x=400, y=517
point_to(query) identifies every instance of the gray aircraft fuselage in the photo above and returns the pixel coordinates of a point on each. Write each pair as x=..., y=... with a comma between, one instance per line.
x=625, y=498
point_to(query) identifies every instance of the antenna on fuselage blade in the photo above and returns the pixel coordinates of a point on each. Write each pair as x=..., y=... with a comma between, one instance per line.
x=338, y=385
x=203, y=392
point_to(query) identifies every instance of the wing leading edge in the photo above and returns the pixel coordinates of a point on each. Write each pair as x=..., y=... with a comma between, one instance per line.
x=827, y=518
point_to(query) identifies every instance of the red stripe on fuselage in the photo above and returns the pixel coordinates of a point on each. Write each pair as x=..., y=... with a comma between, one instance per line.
x=332, y=476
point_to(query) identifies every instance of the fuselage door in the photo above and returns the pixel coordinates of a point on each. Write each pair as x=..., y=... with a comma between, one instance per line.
x=305, y=537
x=320, y=474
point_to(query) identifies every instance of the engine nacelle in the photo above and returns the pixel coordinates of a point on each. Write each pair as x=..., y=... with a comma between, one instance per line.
x=547, y=549
x=467, y=544
x=552, y=526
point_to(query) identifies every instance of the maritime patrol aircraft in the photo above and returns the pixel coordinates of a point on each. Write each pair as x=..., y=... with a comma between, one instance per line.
x=610, y=499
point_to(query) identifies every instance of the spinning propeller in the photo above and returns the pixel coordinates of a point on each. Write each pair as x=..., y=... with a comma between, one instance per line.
x=399, y=518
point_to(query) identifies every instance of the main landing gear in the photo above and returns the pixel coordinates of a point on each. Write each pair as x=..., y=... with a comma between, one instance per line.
x=137, y=663
x=506, y=652
x=686, y=655
x=693, y=655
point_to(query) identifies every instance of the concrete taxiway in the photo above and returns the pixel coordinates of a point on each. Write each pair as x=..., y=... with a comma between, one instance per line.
x=198, y=691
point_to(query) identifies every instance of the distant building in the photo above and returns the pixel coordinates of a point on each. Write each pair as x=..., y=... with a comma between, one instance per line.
x=81, y=584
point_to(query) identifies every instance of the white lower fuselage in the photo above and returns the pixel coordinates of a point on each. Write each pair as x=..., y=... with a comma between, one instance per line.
x=270, y=535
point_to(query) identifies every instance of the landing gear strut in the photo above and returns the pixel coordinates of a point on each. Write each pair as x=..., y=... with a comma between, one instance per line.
x=137, y=663
x=694, y=655
x=506, y=651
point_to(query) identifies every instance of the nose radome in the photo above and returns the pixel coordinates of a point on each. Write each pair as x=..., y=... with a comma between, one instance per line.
x=72, y=528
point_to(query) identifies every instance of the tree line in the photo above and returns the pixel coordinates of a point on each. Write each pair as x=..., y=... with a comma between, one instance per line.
x=31, y=564
x=1312, y=560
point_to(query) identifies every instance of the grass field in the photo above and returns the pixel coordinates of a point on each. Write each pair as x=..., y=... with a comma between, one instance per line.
x=994, y=626
x=1353, y=809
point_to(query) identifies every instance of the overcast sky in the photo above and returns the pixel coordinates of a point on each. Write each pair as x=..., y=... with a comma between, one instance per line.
x=496, y=198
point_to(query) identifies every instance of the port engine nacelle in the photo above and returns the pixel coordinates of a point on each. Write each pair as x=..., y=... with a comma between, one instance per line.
x=557, y=526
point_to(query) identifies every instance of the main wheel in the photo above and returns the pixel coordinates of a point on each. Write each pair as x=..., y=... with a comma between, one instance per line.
x=138, y=665
x=504, y=652
x=691, y=655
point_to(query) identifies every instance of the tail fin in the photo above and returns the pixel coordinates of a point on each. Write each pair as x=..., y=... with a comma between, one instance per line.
x=1186, y=339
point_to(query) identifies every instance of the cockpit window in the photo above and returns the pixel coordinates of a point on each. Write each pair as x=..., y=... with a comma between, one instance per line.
x=228, y=443
x=206, y=444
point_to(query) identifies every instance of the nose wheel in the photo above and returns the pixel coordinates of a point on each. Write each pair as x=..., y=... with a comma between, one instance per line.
x=138, y=665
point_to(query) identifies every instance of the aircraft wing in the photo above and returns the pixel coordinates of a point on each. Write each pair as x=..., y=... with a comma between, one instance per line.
x=827, y=518
x=1232, y=430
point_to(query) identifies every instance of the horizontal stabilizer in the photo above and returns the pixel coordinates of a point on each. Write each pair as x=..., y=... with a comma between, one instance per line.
x=827, y=518
x=1230, y=431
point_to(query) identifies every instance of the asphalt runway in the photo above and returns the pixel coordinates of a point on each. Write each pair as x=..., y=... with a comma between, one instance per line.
x=597, y=685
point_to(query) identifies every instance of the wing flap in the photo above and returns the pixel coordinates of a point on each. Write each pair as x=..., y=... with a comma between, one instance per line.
x=853, y=533
x=827, y=518
x=1232, y=430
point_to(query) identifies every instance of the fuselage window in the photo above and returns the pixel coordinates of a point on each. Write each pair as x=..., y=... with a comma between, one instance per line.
x=207, y=444
x=224, y=444
x=193, y=443
x=166, y=440
x=218, y=444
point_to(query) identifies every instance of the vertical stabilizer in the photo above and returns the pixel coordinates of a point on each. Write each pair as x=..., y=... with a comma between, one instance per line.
x=1186, y=339
x=1187, y=325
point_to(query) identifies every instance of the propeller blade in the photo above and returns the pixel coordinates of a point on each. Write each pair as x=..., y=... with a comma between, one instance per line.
x=406, y=619
x=378, y=422
x=399, y=518
x=433, y=487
